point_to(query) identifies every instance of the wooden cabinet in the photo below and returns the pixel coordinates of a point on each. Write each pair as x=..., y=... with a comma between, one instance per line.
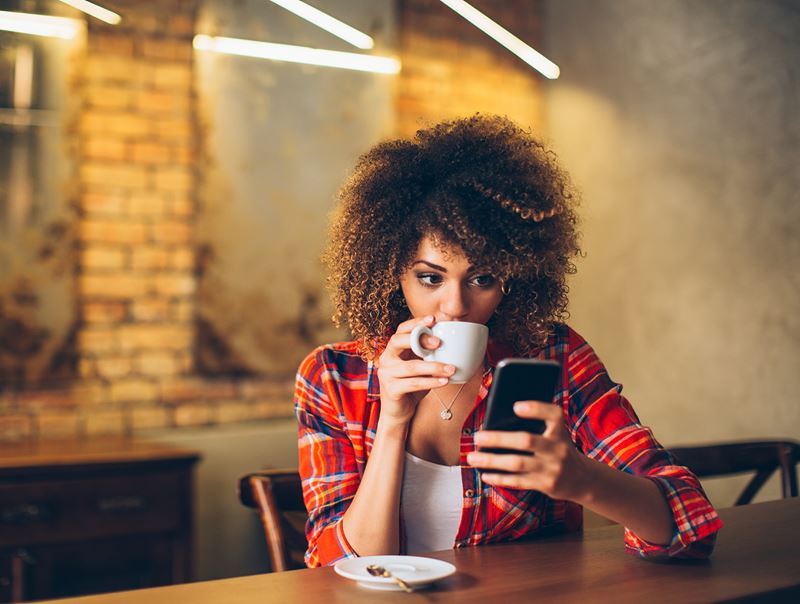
x=92, y=516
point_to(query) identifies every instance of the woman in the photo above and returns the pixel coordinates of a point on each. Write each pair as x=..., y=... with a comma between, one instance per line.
x=471, y=220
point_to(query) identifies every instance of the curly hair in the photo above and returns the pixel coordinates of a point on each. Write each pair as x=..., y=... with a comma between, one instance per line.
x=481, y=184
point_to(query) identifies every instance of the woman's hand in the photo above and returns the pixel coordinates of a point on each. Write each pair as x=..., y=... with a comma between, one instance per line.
x=404, y=378
x=549, y=462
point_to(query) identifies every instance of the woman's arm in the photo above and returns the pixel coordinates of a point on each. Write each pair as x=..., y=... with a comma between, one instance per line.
x=560, y=471
x=372, y=522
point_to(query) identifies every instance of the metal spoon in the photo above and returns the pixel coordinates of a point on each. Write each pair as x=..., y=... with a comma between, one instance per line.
x=379, y=571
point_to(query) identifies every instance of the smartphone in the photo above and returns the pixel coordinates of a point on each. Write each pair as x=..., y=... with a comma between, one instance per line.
x=519, y=380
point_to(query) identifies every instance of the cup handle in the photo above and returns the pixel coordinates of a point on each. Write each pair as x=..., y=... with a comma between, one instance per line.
x=416, y=346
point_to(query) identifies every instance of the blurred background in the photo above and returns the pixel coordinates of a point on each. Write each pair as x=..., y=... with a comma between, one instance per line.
x=163, y=208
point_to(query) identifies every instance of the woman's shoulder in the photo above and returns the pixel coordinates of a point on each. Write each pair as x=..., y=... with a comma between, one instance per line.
x=342, y=357
x=564, y=340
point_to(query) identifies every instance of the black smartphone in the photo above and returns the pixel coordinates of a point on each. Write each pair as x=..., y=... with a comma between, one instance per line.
x=519, y=380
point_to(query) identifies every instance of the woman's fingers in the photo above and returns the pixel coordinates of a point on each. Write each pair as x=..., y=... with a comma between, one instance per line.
x=506, y=462
x=420, y=368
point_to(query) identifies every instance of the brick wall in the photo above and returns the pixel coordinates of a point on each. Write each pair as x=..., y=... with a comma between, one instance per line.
x=451, y=68
x=136, y=138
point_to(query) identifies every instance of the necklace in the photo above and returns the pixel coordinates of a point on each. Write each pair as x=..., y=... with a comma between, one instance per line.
x=446, y=414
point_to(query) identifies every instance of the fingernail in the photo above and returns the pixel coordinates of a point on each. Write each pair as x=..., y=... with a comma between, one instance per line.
x=435, y=341
x=520, y=407
x=478, y=437
x=443, y=380
x=428, y=319
x=449, y=369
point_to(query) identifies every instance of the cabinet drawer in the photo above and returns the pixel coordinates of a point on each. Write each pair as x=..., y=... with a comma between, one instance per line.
x=53, y=511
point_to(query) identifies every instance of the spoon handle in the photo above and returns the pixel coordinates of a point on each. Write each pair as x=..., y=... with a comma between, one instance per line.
x=399, y=581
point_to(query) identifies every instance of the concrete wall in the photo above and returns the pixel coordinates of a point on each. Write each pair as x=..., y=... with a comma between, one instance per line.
x=679, y=122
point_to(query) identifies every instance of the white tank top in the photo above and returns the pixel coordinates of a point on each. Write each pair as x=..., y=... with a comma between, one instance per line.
x=430, y=503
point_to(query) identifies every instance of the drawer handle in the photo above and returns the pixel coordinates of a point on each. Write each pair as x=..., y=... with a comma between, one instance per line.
x=123, y=503
x=24, y=513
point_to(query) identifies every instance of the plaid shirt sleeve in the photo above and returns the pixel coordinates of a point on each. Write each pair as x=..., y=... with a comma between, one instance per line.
x=327, y=461
x=606, y=428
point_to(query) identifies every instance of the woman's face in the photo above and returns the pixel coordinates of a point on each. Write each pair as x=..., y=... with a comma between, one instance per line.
x=442, y=283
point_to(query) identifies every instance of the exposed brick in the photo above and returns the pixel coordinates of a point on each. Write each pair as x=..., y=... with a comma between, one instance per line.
x=163, y=102
x=15, y=427
x=273, y=409
x=175, y=284
x=108, y=97
x=132, y=390
x=148, y=204
x=59, y=424
x=183, y=206
x=97, y=147
x=103, y=257
x=181, y=25
x=157, y=363
x=171, y=231
x=228, y=412
x=150, y=309
x=150, y=257
x=149, y=417
x=169, y=49
x=112, y=231
x=119, y=124
x=97, y=340
x=175, y=76
x=113, y=367
x=109, y=204
x=179, y=179
x=189, y=389
x=175, y=129
x=100, y=68
x=46, y=399
x=104, y=422
x=183, y=310
x=266, y=388
x=182, y=259
x=114, y=44
x=113, y=286
x=193, y=414
x=154, y=337
x=115, y=174
x=151, y=153
x=104, y=312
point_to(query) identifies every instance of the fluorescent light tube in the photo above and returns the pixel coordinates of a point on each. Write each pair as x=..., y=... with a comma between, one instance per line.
x=328, y=23
x=297, y=54
x=98, y=12
x=501, y=35
x=38, y=25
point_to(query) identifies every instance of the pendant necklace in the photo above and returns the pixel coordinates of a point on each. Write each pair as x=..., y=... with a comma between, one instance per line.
x=446, y=414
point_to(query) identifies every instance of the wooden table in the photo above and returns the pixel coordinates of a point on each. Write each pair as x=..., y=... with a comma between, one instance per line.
x=757, y=559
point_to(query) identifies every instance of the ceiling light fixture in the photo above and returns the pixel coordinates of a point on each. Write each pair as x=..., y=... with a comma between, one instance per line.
x=328, y=23
x=38, y=25
x=98, y=12
x=504, y=37
x=297, y=54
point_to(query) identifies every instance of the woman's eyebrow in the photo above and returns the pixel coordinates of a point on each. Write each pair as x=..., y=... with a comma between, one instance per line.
x=437, y=267
x=431, y=264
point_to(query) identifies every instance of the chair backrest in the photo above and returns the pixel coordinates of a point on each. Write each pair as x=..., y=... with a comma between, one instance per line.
x=761, y=457
x=278, y=497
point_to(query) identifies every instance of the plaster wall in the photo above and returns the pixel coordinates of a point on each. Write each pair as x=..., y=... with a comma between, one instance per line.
x=679, y=122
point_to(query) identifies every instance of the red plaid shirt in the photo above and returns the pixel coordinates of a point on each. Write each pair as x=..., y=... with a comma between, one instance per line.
x=337, y=400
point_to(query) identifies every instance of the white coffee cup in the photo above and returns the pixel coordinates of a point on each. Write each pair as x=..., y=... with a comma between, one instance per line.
x=462, y=345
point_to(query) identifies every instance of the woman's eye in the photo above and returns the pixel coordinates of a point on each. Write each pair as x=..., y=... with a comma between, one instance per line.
x=429, y=279
x=483, y=280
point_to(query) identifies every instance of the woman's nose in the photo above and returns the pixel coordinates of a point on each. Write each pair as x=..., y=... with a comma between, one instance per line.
x=453, y=305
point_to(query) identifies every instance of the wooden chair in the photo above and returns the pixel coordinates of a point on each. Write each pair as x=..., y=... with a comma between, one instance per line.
x=761, y=457
x=278, y=497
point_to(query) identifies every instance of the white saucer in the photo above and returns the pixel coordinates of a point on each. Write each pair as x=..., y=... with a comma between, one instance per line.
x=414, y=570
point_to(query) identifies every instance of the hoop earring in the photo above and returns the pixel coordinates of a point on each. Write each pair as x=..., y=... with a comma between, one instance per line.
x=505, y=287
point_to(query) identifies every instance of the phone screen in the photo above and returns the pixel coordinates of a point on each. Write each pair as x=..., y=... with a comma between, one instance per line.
x=519, y=380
